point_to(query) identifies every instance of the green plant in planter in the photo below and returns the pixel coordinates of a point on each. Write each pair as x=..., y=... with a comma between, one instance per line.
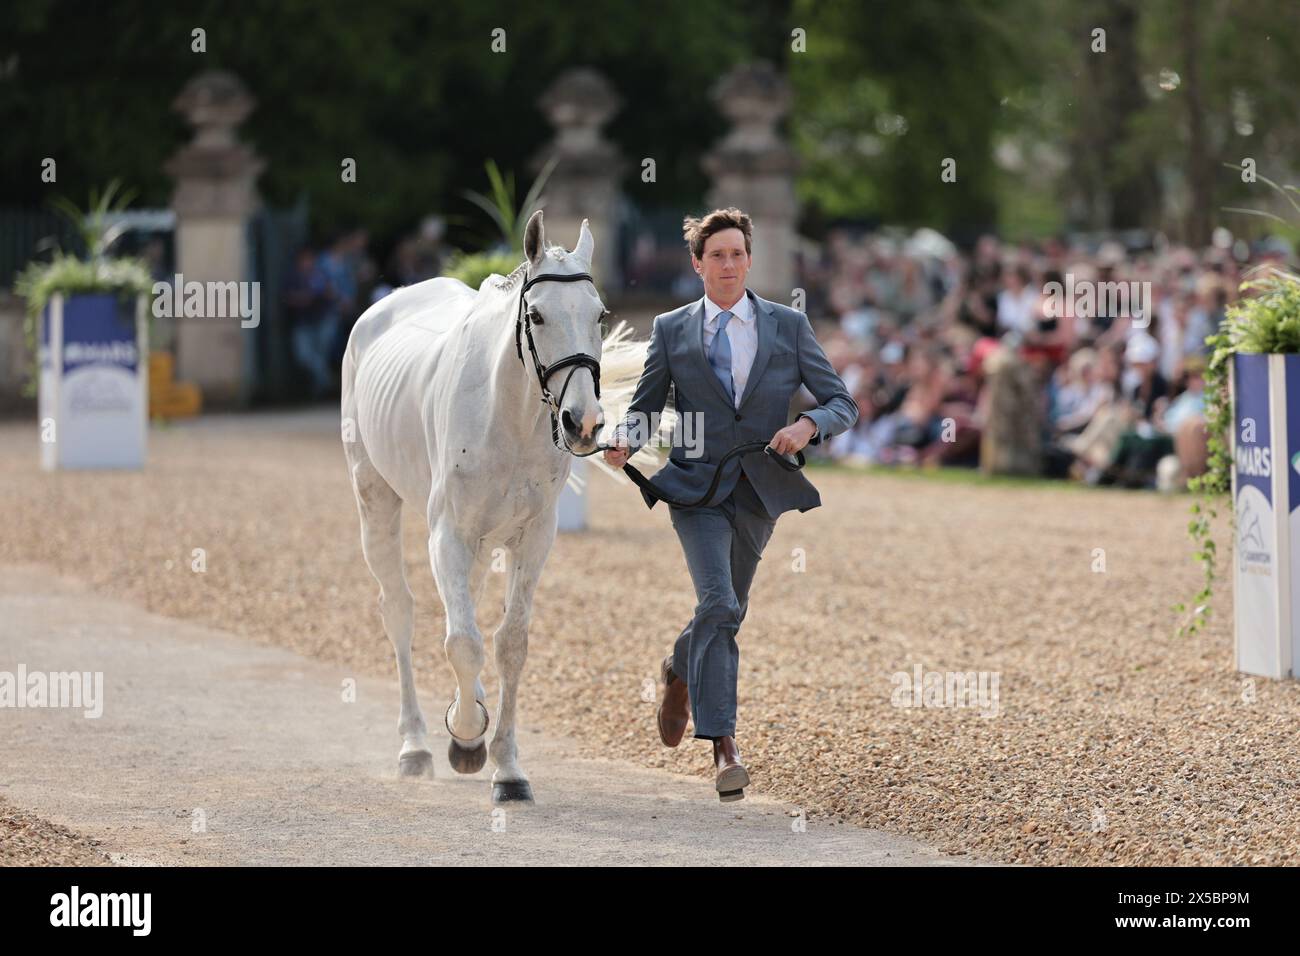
x=473, y=267
x=69, y=275
x=1267, y=321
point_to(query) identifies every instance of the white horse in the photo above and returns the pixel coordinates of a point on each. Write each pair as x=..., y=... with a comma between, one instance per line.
x=447, y=417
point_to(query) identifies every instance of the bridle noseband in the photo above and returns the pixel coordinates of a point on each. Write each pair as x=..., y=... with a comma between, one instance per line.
x=524, y=327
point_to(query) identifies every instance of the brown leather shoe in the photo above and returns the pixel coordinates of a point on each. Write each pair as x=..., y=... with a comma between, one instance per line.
x=675, y=708
x=732, y=775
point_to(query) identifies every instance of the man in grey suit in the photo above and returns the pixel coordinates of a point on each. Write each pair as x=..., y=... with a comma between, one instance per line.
x=735, y=361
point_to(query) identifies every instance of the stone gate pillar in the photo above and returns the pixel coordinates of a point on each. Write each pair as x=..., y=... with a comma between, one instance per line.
x=585, y=182
x=753, y=168
x=214, y=199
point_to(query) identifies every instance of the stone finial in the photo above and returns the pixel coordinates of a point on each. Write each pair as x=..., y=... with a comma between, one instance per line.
x=215, y=173
x=753, y=94
x=578, y=104
x=215, y=103
x=754, y=97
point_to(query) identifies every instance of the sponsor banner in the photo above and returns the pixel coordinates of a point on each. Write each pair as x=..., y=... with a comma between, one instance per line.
x=94, y=400
x=1291, y=364
x=1255, y=566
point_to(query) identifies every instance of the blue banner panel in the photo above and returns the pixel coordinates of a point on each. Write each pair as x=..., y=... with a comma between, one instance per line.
x=99, y=330
x=1253, y=458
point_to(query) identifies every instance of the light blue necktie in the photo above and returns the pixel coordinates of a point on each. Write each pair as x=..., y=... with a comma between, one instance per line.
x=720, y=356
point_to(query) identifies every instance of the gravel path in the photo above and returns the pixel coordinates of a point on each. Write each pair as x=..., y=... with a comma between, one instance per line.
x=212, y=750
x=28, y=840
x=1112, y=741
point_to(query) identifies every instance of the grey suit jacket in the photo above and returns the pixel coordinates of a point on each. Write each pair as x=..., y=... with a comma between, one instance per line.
x=788, y=355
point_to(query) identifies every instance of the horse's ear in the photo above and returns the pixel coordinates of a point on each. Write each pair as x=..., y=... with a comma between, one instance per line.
x=534, y=238
x=586, y=245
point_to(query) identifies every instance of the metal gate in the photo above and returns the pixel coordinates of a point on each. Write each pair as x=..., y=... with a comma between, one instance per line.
x=274, y=237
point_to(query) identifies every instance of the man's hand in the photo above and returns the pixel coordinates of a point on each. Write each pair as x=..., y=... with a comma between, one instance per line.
x=617, y=456
x=794, y=437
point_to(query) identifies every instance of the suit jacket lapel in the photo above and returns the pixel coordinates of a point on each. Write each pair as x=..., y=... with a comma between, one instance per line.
x=766, y=320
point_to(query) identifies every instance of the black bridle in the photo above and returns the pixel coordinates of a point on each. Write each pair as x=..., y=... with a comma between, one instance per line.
x=524, y=327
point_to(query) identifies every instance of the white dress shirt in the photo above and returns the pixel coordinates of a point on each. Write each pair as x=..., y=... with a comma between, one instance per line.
x=742, y=333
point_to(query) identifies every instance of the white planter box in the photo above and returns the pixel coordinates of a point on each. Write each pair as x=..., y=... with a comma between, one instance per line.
x=1265, y=392
x=94, y=382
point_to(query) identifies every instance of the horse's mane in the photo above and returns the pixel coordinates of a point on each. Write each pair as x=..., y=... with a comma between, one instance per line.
x=507, y=283
x=511, y=282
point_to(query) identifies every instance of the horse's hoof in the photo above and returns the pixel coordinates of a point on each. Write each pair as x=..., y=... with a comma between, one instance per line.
x=512, y=791
x=467, y=759
x=417, y=763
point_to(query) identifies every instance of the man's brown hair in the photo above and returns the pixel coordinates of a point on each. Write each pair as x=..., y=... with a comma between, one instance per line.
x=697, y=231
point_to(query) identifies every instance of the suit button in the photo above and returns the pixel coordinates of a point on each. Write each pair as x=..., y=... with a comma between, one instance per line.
x=737, y=418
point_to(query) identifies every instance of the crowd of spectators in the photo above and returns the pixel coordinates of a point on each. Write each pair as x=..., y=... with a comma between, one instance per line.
x=1117, y=383
x=1111, y=388
x=331, y=284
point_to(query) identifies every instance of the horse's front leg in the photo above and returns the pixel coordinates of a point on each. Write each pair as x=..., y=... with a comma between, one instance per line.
x=453, y=565
x=511, y=643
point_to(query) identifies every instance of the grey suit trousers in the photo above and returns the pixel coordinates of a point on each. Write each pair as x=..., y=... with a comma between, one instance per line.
x=723, y=544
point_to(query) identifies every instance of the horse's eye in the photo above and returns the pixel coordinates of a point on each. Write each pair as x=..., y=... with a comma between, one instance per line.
x=536, y=317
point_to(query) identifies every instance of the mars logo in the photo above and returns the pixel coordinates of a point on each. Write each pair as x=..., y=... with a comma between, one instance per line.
x=120, y=352
x=1252, y=557
x=1256, y=462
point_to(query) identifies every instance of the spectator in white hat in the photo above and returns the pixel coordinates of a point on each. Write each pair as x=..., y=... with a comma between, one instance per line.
x=1143, y=383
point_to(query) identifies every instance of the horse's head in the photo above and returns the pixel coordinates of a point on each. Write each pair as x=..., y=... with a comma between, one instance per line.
x=566, y=320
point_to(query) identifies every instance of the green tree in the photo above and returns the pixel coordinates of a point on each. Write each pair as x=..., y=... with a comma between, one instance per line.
x=887, y=91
